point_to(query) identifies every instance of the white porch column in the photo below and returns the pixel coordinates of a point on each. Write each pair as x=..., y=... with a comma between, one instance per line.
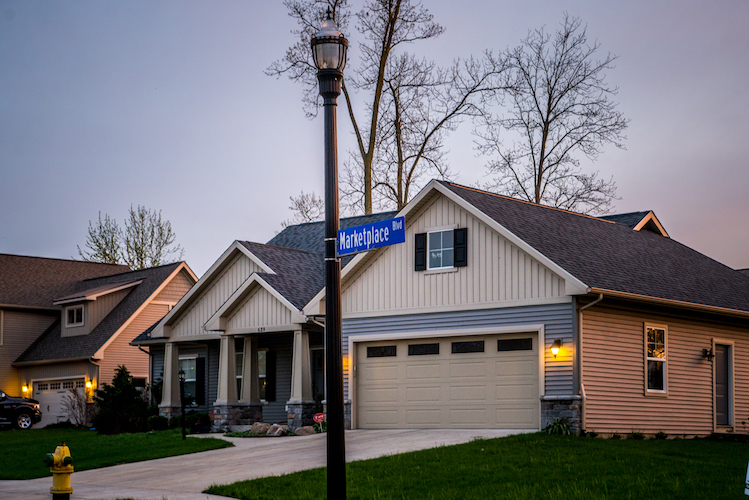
x=227, y=367
x=301, y=377
x=250, y=379
x=170, y=389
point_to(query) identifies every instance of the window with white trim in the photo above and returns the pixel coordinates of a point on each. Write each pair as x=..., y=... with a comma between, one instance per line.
x=655, y=359
x=74, y=316
x=441, y=249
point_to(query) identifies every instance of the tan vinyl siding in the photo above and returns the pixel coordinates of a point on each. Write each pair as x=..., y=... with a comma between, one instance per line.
x=614, y=374
x=120, y=352
x=261, y=308
x=213, y=297
x=497, y=271
x=20, y=330
x=176, y=288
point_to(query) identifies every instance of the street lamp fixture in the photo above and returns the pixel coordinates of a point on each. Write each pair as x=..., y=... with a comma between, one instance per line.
x=182, y=399
x=329, y=55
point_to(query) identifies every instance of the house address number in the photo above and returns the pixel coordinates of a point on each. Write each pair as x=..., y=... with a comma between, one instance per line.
x=260, y=329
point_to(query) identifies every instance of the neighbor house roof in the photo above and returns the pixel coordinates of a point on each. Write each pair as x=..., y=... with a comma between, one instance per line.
x=52, y=346
x=39, y=281
x=611, y=256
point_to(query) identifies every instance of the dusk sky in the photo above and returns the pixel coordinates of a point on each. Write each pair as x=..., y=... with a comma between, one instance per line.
x=166, y=104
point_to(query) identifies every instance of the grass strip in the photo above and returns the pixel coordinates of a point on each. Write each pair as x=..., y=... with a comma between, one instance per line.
x=24, y=450
x=529, y=466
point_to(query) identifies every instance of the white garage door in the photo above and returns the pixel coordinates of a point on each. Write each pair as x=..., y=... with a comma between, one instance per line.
x=486, y=381
x=51, y=395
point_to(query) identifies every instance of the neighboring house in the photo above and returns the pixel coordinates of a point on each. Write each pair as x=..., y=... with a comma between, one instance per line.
x=67, y=324
x=495, y=313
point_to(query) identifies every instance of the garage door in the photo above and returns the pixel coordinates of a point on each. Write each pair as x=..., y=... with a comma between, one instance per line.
x=487, y=381
x=51, y=395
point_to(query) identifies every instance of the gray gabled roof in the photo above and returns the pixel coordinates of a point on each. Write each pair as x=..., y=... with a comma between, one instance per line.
x=630, y=219
x=52, y=346
x=611, y=256
x=39, y=281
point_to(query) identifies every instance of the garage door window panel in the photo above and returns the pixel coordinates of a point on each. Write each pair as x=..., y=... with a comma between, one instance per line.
x=423, y=349
x=466, y=347
x=384, y=351
x=515, y=344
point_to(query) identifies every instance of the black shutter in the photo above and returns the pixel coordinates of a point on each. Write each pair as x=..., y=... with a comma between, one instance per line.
x=460, y=237
x=421, y=252
x=270, y=375
x=200, y=381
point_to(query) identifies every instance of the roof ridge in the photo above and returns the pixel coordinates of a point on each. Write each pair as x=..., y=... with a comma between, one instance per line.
x=510, y=198
x=133, y=271
x=275, y=247
x=60, y=259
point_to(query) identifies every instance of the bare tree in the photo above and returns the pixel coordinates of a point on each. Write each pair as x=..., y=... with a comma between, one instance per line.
x=102, y=242
x=148, y=238
x=79, y=410
x=306, y=208
x=411, y=102
x=559, y=104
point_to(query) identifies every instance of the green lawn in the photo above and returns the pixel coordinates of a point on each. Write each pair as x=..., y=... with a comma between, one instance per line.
x=530, y=466
x=23, y=450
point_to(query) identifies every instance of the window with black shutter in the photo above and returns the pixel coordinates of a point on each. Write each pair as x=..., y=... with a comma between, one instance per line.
x=421, y=252
x=200, y=381
x=441, y=249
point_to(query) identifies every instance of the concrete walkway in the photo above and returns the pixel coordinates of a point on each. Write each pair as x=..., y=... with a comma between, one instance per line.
x=185, y=476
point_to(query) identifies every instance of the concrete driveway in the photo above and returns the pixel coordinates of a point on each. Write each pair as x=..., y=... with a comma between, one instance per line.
x=184, y=477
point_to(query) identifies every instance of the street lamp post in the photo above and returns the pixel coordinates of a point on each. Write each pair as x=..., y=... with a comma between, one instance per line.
x=329, y=54
x=182, y=398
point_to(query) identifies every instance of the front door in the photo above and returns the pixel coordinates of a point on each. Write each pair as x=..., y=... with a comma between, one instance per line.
x=722, y=385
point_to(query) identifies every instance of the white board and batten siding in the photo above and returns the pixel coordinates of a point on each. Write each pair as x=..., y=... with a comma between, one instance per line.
x=498, y=271
x=214, y=296
x=614, y=374
x=259, y=309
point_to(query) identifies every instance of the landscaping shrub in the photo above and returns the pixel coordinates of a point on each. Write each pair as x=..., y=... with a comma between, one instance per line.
x=558, y=426
x=157, y=423
x=616, y=436
x=121, y=407
x=197, y=422
x=321, y=427
x=661, y=435
x=175, y=422
x=67, y=424
x=636, y=435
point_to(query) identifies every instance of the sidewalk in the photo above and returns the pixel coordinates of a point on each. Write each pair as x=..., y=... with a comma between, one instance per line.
x=185, y=476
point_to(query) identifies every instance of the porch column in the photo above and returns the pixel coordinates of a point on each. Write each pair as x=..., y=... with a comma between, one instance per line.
x=301, y=376
x=227, y=376
x=170, y=388
x=250, y=379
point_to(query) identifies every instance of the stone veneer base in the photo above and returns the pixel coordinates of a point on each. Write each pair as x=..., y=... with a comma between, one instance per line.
x=234, y=413
x=556, y=407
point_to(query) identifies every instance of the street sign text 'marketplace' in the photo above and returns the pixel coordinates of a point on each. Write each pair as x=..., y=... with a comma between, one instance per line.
x=374, y=235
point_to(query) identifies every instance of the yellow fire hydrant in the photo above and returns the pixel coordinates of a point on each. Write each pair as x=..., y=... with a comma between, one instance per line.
x=60, y=466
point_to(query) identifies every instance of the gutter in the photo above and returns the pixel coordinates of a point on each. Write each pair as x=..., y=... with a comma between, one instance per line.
x=671, y=302
x=50, y=361
x=580, y=353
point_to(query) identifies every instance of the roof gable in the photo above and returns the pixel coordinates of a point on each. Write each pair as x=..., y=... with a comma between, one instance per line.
x=52, y=346
x=610, y=256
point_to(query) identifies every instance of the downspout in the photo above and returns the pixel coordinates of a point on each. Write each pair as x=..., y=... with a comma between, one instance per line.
x=580, y=351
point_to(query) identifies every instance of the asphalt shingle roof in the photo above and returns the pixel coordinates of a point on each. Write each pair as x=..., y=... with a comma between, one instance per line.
x=630, y=219
x=612, y=256
x=52, y=346
x=39, y=281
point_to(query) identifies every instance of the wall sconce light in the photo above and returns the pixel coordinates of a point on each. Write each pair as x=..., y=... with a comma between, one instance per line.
x=25, y=388
x=88, y=384
x=708, y=354
x=555, y=347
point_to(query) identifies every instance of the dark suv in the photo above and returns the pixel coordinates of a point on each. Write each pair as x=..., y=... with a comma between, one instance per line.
x=22, y=413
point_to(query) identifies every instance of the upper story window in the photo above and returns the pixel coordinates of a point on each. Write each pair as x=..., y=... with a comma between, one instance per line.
x=445, y=249
x=74, y=316
x=655, y=359
x=441, y=250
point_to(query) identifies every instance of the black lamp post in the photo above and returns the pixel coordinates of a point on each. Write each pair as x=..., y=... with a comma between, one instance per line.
x=329, y=54
x=182, y=398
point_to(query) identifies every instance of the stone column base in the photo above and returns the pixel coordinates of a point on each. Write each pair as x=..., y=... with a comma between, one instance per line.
x=235, y=413
x=346, y=413
x=300, y=413
x=170, y=411
x=556, y=407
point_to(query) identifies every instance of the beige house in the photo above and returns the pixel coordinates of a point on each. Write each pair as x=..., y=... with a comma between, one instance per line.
x=495, y=313
x=67, y=325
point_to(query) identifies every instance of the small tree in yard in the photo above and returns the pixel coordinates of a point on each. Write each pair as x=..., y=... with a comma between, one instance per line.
x=121, y=407
x=79, y=410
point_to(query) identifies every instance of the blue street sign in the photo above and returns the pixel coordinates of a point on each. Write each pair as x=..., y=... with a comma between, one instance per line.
x=374, y=235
